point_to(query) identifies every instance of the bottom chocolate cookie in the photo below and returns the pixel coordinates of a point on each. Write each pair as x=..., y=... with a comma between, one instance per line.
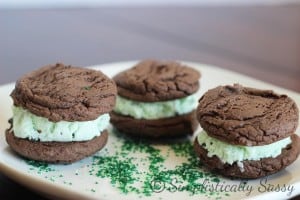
x=178, y=126
x=251, y=168
x=56, y=152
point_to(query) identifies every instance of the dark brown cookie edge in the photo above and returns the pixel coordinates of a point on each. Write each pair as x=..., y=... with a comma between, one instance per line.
x=178, y=126
x=252, y=169
x=56, y=152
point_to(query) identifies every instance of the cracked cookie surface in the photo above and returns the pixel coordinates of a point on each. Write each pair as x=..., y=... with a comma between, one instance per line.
x=151, y=81
x=66, y=93
x=247, y=116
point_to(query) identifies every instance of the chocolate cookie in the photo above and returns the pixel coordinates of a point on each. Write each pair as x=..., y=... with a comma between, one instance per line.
x=66, y=93
x=247, y=133
x=159, y=128
x=251, y=168
x=246, y=116
x=60, y=113
x=56, y=152
x=156, y=100
x=152, y=80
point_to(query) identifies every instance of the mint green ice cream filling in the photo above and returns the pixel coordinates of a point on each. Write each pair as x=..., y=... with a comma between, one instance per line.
x=155, y=110
x=229, y=153
x=33, y=127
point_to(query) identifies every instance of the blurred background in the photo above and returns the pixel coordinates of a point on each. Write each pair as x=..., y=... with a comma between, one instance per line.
x=95, y=3
x=259, y=38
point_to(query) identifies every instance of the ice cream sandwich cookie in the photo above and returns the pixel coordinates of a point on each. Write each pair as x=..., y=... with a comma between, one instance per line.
x=60, y=113
x=247, y=133
x=156, y=99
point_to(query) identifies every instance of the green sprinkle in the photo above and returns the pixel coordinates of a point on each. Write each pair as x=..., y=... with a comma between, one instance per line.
x=140, y=167
x=41, y=167
x=216, y=180
x=119, y=171
x=184, y=149
x=87, y=87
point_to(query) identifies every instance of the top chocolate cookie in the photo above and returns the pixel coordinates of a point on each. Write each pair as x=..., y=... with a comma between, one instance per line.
x=66, y=93
x=151, y=81
x=247, y=116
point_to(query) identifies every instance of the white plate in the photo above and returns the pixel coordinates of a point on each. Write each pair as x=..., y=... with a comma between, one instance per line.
x=80, y=180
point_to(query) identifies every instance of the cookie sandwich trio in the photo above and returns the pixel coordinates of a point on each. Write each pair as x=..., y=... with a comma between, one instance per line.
x=60, y=115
